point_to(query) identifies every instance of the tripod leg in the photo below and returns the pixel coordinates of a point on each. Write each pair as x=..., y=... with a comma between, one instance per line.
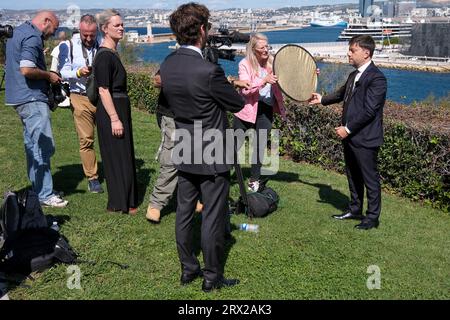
x=3, y=79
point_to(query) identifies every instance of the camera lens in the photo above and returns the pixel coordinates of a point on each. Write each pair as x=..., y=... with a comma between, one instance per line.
x=6, y=31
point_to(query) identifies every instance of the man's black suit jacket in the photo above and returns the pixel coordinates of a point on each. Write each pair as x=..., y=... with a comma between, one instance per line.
x=197, y=90
x=363, y=107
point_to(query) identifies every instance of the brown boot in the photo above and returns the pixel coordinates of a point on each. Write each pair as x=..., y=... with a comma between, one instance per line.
x=153, y=214
x=199, y=207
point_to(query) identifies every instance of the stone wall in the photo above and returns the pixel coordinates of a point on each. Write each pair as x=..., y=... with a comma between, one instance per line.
x=430, y=39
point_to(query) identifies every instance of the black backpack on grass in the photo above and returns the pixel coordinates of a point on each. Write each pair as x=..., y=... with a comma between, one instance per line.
x=262, y=202
x=255, y=204
x=30, y=244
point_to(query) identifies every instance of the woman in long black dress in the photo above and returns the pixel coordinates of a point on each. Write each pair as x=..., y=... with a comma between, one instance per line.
x=113, y=117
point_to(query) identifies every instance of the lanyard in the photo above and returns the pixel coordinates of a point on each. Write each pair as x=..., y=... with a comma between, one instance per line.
x=85, y=53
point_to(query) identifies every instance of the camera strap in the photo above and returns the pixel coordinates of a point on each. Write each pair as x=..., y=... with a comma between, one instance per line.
x=85, y=54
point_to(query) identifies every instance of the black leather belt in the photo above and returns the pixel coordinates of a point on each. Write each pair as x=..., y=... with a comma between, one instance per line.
x=119, y=95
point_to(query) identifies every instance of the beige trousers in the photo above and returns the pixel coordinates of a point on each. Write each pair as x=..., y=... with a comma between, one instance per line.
x=84, y=117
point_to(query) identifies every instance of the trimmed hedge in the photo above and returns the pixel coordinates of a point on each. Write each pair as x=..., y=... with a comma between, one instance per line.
x=414, y=160
x=143, y=94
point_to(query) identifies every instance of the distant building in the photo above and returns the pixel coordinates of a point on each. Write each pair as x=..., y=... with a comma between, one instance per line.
x=363, y=6
x=419, y=12
x=431, y=40
x=132, y=36
x=389, y=9
x=405, y=8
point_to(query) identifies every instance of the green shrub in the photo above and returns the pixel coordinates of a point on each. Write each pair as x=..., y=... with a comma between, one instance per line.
x=414, y=160
x=143, y=95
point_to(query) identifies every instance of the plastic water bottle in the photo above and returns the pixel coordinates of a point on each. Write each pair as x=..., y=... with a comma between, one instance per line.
x=249, y=227
x=55, y=226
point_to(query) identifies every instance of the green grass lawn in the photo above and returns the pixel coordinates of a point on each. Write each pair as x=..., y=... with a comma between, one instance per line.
x=299, y=253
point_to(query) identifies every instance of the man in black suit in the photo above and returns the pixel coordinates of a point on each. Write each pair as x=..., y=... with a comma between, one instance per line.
x=361, y=130
x=198, y=94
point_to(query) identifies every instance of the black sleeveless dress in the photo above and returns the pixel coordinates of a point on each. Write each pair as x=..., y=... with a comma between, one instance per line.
x=117, y=153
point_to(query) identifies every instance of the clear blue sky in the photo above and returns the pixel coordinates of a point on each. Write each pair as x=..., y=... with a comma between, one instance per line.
x=162, y=4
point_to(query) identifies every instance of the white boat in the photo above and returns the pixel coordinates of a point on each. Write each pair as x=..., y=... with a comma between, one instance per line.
x=332, y=21
x=379, y=30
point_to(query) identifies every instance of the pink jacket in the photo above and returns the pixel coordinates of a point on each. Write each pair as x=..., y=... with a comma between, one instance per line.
x=251, y=96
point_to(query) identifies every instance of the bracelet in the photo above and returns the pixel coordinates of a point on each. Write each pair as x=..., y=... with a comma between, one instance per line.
x=78, y=73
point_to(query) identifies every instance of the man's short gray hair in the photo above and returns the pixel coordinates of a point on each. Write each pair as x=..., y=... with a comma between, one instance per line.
x=88, y=19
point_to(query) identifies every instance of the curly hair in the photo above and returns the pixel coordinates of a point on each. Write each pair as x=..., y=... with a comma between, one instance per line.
x=186, y=22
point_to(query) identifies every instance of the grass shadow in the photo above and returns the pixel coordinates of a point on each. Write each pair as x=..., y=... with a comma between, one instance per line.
x=68, y=177
x=143, y=176
x=329, y=195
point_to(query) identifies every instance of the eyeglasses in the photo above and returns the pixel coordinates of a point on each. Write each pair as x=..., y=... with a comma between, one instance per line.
x=268, y=48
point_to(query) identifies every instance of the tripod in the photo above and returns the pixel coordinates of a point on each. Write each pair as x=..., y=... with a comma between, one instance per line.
x=3, y=78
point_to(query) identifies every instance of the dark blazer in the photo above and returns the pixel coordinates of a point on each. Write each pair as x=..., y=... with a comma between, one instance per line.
x=197, y=90
x=363, y=108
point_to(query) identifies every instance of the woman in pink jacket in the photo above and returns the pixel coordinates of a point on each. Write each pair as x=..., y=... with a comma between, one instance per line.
x=262, y=99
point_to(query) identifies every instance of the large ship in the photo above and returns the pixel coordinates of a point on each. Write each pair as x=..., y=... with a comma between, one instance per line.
x=379, y=30
x=333, y=21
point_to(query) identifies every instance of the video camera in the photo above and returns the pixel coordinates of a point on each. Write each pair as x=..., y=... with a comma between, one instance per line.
x=6, y=30
x=214, y=51
x=58, y=93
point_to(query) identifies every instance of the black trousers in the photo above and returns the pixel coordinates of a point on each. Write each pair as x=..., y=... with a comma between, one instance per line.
x=214, y=192
x=362, y=171
x=264, y=120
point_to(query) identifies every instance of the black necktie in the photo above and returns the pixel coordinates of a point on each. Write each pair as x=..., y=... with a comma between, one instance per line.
x=348, y=93
x=350, y=86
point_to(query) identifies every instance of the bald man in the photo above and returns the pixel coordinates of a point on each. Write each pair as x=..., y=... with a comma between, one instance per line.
x=27, y=86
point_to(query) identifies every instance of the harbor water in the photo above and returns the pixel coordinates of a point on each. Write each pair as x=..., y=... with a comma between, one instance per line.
x=403, y=86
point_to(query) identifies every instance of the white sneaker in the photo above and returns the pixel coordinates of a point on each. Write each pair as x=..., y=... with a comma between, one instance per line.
x=253, y=186
x=55, y=202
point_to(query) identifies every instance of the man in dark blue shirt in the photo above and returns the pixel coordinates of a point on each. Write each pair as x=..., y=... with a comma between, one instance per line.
x=27, y=86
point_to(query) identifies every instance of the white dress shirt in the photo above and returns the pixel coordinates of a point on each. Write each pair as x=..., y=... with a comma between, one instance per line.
x=196, y=49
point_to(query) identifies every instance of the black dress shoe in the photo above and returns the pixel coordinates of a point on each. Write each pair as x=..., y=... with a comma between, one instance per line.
x=367, y=224
x=208, y=286
x=188, y=278
x=348, y=215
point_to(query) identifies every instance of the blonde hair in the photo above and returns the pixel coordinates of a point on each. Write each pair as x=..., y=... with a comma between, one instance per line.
x=104, y=18
x=251, y=56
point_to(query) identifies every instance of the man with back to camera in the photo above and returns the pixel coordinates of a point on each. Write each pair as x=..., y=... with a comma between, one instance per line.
x=75, y=58
x=27, y=87
x=197, y=92
x=361, y=130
